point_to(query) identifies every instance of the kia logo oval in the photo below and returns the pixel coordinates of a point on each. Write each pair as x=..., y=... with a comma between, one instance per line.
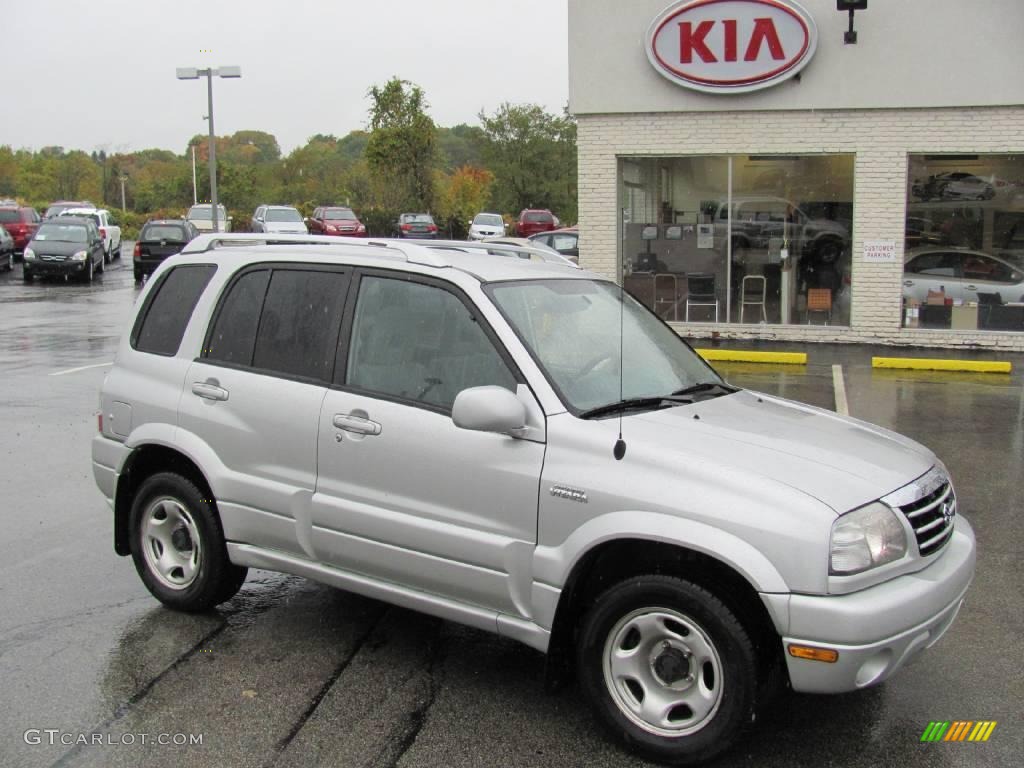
x=731, y=46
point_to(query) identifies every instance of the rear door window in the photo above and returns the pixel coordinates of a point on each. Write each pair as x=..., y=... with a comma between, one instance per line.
x=280, y=320
x=300, y=322
x=161, y=323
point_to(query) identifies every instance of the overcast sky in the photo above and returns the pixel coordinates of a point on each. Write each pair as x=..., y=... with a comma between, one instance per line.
x=100, y=75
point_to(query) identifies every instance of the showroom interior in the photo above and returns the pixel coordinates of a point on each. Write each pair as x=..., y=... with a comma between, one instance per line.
x=871, y=193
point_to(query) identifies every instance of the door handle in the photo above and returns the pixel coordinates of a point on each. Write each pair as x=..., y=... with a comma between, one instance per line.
x=908, y=283
x=972, y=287
x=209, y=391
x=356, y=424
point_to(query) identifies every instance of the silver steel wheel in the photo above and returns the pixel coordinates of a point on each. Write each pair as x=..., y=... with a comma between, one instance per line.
x=663, y=672
x=170, y=543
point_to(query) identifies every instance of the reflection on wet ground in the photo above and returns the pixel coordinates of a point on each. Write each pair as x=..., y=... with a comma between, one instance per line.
x=291, y=673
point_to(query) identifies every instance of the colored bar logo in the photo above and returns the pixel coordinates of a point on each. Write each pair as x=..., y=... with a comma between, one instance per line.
x=958, y=730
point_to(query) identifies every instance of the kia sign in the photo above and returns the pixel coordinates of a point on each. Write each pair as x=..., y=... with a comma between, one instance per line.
x=731, y=46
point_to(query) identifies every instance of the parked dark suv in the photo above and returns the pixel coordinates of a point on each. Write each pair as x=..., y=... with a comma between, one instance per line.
x=532, y=221
x=158, y=240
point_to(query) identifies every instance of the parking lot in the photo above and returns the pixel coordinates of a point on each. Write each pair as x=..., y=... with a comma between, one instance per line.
x=291, y=673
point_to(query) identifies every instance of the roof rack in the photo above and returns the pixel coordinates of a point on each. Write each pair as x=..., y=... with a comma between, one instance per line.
x=413, y=253
x=528, y=252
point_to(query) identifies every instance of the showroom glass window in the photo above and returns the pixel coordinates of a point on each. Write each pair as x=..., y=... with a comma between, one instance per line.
x=772, y=246
x=965, y=213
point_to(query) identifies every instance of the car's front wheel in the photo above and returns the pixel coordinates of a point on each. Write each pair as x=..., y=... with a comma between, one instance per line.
x=669, y=668
x=178, y=545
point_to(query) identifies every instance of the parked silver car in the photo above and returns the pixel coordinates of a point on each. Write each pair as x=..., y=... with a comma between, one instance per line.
x=520, y=446
x=961, y=274
x=279, y=219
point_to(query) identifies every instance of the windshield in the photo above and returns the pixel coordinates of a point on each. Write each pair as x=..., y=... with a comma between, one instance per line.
x=62, y=233
x=571, y=328
x=488, y=220
x=283, y=214
x=164, y=232
x=339, y=214
x=206, y=212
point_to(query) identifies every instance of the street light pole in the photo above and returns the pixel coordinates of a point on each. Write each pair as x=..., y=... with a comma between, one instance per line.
x=213, y=150
x=124, y=178
x=192, y=73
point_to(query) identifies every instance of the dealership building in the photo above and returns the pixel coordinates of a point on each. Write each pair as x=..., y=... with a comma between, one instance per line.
x=766, y=169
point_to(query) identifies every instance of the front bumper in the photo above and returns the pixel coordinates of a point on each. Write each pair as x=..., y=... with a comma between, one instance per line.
x=879, y=630
x=41, y=268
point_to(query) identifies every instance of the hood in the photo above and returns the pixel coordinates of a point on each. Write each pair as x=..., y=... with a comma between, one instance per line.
x=842, y=462
x=286, y=227
x=56, y=247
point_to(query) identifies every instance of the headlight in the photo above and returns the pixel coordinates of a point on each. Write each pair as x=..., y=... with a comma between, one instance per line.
x=866, y=538
x=80, y=256
x=29, y=254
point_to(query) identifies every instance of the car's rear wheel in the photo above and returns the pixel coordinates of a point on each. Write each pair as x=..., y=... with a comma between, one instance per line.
x=138, y=275
x=178, y=545
x=669, y=668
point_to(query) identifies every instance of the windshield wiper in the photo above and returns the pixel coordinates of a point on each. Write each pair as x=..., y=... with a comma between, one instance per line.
x=709, y=388
x=631, y=404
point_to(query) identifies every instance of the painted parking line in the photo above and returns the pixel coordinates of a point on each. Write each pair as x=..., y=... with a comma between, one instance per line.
x=81, y=368
x=743, y=356
x=839, y=384
x=927, y=364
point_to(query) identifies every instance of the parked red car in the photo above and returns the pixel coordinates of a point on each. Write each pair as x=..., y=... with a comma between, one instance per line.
x=534, y=220
x=335, y=220
x=21, y=222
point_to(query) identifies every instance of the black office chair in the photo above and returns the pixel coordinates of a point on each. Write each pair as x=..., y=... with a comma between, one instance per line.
x=700, y=292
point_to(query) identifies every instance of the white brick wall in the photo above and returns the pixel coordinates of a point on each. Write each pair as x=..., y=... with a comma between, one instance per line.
x=881, y=141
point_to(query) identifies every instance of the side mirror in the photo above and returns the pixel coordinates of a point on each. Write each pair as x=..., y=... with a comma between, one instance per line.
x=488, y=409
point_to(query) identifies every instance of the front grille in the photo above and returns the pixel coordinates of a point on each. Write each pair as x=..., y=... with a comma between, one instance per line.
x=931, y=516
x=52, y=258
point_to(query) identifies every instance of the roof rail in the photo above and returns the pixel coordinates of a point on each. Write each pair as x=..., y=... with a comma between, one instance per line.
x=532, y=253
x=413, y=253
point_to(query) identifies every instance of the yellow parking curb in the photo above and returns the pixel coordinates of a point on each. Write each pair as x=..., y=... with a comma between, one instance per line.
x=742, y=356
x=925, y=364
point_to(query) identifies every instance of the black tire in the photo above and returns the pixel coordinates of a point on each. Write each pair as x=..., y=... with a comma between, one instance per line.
x=682, y=618
x=138, y=275
x=197, y=538
x=116, y=251
x=108, y=255
x=102, y=267
x=26, y=276
x=10, y=262
x=89, y=270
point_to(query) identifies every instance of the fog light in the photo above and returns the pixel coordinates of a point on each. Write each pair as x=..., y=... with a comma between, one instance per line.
x=811, y=653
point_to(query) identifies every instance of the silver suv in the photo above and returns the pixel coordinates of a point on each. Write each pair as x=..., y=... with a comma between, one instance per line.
x=515, y=444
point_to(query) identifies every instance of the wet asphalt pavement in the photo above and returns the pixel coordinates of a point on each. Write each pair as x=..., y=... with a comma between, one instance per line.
x=291, y=673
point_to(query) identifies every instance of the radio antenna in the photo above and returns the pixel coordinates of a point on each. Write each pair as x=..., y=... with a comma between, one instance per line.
x=620, y=445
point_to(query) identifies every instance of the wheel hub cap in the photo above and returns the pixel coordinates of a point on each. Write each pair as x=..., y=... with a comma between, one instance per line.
x=663, y=671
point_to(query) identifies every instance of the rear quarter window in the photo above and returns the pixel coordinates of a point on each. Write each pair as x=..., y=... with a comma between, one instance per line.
x=162, y=320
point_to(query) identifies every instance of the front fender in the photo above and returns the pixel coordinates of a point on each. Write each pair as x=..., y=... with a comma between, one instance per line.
x=552, y=565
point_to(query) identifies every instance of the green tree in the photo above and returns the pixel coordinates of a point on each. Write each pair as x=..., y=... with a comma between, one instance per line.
x=402, y=148
x=533, y=156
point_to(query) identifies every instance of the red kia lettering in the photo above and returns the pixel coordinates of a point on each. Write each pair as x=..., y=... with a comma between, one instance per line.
x=693, y=41
x=764, y=31
x=690, y=41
